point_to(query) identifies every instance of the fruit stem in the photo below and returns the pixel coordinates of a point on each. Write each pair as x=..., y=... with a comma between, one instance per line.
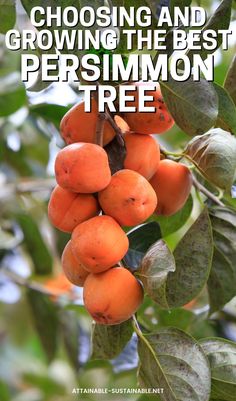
x=140, y=334
x=100, y=128
x=102, y=117
x=168, y=153
x=205, y=191
x=116, y=128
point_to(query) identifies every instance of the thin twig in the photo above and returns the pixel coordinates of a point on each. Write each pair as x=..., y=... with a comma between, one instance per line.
x=24, y=282
x=113, y=123
x=26, y=186
x=33, y=285
x=205, y=191
x=100, y=129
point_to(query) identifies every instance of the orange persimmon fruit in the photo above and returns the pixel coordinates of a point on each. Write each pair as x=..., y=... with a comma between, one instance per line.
x=99, y=243
x=67, y=209
x=156, y=122
x=129, y=198
x=73, y=269
x=113, y=296
x=82, y=167
x=172, y=183
x=142, y=154
x=80, y=126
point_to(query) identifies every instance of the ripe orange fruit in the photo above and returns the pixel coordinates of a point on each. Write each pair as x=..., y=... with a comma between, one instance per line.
x=172, y=183
x=156, y=122
x=143, y=154
x=82, y=167
x=99, y=243
x=73, y=269
x=113, y=296
x=67, y=209
x=129, y=198
x=80, y=126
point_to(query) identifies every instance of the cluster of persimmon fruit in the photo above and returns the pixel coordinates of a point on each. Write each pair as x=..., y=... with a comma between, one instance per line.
x=92, y=204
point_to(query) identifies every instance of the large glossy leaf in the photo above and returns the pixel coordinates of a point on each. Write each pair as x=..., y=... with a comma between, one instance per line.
x=12, y=94
x=109, y=341
x=172, y=360
x=193, y=257
x=44, y=314
x=156, y=265
x=222, y=279
x=214, y=154
x=230, y=81
x=35, y=244
x=222, y=357
x=7, y=15
x=140, y=240
x=227, y=110
x=193, y=105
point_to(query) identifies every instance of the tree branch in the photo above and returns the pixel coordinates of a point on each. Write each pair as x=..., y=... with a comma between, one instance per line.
x=33, y=285
x=100, y=128
x=205, y=191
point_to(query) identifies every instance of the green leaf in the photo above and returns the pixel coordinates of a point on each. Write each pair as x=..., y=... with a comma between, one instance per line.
x=172, y=360
x=49, y=112
x=219, y=20
x=227, y=110
x=35, y=244
x=109, y=341
x=214, y=154
x=173, y=282
x=222, y=279
x=193, y=258
x=230, y=81
x=179, y=318
x=151, y=397
x=226, y=214
x=222, y=357
x=45, y=318
x=7, y=15
x=155, y=267
x=221, y=282
x=170, y=224
x=12, y=94
x=193, y=105
x=140, y=240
